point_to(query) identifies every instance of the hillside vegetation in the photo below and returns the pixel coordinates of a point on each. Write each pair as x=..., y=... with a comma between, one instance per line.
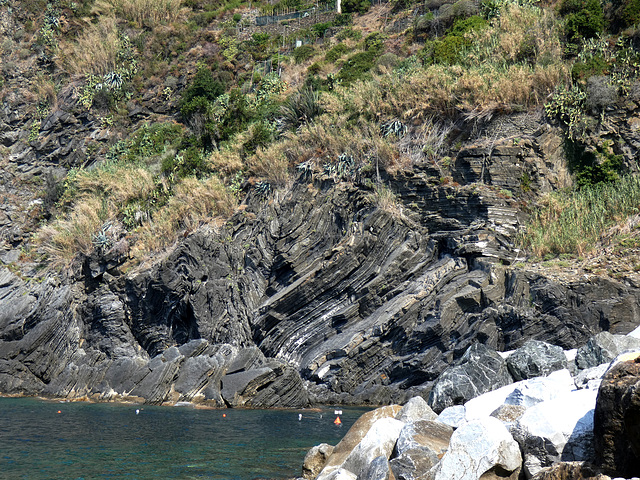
x=359, y=96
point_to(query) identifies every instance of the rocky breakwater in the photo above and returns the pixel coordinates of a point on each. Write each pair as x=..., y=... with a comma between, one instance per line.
x=540, y=427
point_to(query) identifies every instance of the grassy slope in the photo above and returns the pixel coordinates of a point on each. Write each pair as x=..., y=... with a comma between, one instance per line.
x=340, y=105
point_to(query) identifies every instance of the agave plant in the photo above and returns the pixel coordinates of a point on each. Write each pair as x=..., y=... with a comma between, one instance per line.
x=300, y=109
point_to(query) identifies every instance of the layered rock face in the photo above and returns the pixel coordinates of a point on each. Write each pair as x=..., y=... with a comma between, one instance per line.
x=314, y=295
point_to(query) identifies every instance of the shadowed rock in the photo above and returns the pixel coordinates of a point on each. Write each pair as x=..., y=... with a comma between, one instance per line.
x=617, y=419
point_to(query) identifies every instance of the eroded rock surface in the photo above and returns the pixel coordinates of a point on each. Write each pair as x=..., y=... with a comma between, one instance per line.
x=617, y=420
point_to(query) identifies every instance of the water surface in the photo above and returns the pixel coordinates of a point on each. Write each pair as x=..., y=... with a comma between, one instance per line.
x=52, y=440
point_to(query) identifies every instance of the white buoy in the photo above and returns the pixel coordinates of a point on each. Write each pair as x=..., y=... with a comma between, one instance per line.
x=137, y=411
x=299, y=416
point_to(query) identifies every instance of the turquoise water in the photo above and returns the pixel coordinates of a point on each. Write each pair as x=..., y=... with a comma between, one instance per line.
x=107, y=441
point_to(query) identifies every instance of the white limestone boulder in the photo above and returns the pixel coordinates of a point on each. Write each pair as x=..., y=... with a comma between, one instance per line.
x=453, y=416
x=356, y=434
x=379, y=441
x=416, y=409
x=525, y=393
x=477, y=447
x=557, y=430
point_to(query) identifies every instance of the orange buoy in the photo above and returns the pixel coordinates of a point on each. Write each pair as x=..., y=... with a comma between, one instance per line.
x=59, y=411
x=224, y=415
x=337, y=421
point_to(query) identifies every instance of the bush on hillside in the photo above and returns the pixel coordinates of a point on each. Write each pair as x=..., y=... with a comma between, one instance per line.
x=355, y=6
x=203, y=88
x=303, y=53
x=336, y=52
x=583, y=19
x=623, y=14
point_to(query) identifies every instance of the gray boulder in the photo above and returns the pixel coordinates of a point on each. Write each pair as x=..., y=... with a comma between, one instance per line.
x=315, y=460
x=379, y=441
x=603, y=348
x=356, y=434
x=419, y=447
x=480, y=370
x=416, y=409
x=424, y=434
x=378, y=469
x=453, y=416
x=536, y=359
x=413, y=464
x=591, y=377
x=479, y=448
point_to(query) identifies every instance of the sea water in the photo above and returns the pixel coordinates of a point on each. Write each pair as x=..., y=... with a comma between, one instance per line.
x=55, y=440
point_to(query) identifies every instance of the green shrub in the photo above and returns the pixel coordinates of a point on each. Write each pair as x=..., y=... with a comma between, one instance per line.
x=342, y=19
x=336, y=52
x=303, y=53
x=349, y=33
x=374, y=42
x=260, y=135
x=464, y=25
x=260, y=39
x=624, y=14
x=593, y=168
x=150, y=140
x=202, y=86
x=314, y=68
x=189, y=162
x=356, y=6
x=583, y=19
x=447, y=50
x=356, y=67
x=593, y=66
x=319, y=29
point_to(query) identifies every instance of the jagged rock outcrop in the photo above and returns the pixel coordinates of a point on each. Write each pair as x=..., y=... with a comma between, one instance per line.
x=617, y=419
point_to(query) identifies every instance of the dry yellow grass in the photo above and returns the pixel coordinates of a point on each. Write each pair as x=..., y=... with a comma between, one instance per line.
x=95, y=51
x=194, y=203
x=143, y=12
x=512, y=65
x=65, y=238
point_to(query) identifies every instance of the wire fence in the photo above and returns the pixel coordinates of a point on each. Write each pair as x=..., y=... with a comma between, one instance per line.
x=286, y=13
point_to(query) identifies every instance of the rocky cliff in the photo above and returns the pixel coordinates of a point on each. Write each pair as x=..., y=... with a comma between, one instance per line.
x=325, y=289
x=313, y=293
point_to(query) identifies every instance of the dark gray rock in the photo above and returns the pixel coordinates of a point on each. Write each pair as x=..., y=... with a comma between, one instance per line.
x=535, y=359
x=603, y=348
x=378, y=469
x=478, y=371
x=413, y=463
x=340, y=301
x=616, y=422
